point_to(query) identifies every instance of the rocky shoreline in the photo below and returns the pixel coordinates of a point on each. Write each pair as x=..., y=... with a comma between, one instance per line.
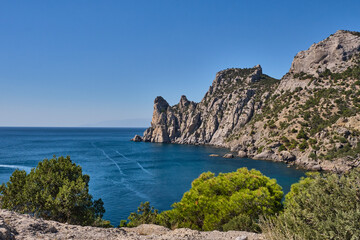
x=20, y=226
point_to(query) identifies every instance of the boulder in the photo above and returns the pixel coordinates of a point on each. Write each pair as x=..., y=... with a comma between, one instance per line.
x=137, y=138
x=274, y=145
x=287, y=156
x=267, y=155
x=242, y=154
x=228, y=155
x=316, y=167
x=213, y=155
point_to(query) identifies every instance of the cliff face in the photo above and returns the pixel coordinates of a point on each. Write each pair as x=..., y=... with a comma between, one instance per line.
x=311, y=117
x=233, y=98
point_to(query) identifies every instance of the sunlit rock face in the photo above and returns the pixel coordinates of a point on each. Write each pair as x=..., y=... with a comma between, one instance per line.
x=261, y=117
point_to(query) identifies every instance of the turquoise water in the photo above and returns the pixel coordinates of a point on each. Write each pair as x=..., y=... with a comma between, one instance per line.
x=125, y=173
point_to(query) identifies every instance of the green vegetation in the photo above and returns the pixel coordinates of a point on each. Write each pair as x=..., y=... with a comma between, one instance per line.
x=145, y=214
x=56, y=189
x=237, y=72
x=346, y=151
x=282, y=148
x=304, y=145
x=350, y=72
x=319, y=207
x=302, y=135
x=303, y=76
x=229, y=201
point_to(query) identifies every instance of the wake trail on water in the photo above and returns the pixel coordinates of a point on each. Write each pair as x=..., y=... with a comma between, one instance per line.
x=137, y=162
x=123, y=182
x=127, y=185
x=27, y=169
x=107, y=156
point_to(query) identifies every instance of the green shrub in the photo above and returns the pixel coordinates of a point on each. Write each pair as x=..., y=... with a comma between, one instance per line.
x=319, y=207
x=144, y=214
x=293, y=144
x=282, y=148
x=56, y=189
x=302, y=134
x=304, y=145
x=243, y=222
x=222, y=202
x=260, y=149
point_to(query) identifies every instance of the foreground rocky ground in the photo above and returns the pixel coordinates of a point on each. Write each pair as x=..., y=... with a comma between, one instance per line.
x=19, y=226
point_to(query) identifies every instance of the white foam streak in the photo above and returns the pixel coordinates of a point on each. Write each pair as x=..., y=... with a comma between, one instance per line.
x=107, y=156
x=27, y=169
x=141, y=167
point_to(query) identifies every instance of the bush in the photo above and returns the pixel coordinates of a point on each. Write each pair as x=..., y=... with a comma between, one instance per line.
x=230, y=201
x=304, y=145
x=302, y=135
x=282, y=148
x=144, y=214
x=56, y=189
x=319, y=207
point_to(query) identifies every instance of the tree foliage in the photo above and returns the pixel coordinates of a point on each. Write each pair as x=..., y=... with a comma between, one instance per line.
x=319, y=207
x=145, y=214
x=56, y=189
x=229, y=201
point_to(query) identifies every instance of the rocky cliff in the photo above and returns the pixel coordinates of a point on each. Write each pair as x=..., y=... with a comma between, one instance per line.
x=232, y=100
x=310, y=117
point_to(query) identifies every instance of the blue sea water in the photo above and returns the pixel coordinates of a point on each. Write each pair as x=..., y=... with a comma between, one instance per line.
x=125, y=173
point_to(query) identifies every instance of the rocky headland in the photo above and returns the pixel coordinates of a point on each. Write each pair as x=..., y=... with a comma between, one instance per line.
x=310, y=117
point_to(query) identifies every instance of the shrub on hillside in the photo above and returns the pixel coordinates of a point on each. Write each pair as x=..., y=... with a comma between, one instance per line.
x=56, y=189
x=319, y=207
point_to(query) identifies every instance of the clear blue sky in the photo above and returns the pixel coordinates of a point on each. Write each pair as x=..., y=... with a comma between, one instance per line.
x=74, y=63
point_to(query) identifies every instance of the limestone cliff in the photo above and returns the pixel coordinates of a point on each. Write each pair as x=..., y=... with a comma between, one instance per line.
x=310, y=117
x=234, y=97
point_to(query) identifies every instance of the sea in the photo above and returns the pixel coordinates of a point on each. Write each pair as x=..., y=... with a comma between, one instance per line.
x=124, y=173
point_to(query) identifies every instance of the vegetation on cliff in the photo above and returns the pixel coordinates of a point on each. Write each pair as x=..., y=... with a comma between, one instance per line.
x=57, y=190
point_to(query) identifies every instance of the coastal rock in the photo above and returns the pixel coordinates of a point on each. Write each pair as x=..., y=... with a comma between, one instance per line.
x=228, y=155
x=287, y=156
x=316, y=167
x=214, y=155
x=242, y=154
x=267, y=155
x=137, y=138
x=228, y=105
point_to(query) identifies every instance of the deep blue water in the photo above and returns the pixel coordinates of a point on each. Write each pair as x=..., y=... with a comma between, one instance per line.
x=125, y=173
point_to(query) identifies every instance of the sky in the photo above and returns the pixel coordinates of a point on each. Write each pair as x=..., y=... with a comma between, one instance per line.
x=102, y=63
